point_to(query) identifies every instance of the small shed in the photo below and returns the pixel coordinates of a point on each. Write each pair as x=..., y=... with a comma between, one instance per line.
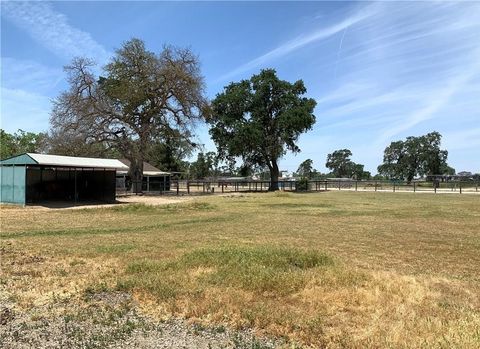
x=154, y=179
x=34, y=178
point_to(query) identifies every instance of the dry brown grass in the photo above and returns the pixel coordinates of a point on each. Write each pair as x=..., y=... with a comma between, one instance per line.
x=404, y=269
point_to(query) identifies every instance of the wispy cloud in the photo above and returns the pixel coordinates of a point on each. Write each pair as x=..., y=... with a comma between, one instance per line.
x=465, y=139
x=299, y=42
x=411, y=68
x=25, y=87
x=52, y=29
x=24, y=110
x=409, y=65
x=437, y=100
x=29, y=75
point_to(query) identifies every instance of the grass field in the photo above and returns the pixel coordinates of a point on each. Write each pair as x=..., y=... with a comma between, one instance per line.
x=334, y=269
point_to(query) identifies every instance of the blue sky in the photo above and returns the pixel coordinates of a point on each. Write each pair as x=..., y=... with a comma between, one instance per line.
x=380, y=71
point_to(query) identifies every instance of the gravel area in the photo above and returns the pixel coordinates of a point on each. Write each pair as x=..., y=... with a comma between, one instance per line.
x=110, y=320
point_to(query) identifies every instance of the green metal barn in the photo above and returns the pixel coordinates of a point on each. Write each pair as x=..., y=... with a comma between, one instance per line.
x=36, y=178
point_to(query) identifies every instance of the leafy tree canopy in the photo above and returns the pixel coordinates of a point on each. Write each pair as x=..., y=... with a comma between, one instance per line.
x=339, y=163
x=306, y=170
x=416, y=156
x=342, y=166
x=20, y=142
x=259, y=119
x=205, y=165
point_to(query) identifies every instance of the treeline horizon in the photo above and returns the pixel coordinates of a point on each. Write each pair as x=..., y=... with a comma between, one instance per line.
x=206, y=165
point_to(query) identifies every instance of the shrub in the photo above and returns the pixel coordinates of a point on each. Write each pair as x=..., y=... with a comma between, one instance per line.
x=302, y=184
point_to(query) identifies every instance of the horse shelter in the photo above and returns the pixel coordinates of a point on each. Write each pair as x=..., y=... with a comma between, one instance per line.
x=35, y=178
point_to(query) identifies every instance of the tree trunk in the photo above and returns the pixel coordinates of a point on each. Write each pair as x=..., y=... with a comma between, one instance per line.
x=274, y=173
x=136, y=173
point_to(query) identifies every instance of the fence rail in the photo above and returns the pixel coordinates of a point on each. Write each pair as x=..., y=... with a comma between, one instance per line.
x=198, y=187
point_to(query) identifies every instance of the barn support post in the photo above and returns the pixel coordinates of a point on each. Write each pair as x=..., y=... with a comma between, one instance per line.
x=75, y=187
x=103, y=185
x=148, y=184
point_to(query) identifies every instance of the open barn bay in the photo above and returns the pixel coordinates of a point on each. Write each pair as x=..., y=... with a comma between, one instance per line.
x=332, y=269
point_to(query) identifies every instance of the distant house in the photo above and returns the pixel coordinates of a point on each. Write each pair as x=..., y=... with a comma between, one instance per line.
x=154, y=179
x=36, y=178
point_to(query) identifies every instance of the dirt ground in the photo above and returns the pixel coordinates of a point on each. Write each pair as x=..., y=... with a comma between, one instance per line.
x=134, y=199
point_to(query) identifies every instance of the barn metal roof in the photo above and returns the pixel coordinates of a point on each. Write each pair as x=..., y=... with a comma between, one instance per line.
x=67, y=161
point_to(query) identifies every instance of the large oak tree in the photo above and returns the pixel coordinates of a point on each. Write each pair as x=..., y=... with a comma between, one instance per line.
x=259, y=119
x=140, y=96
x=416, y=156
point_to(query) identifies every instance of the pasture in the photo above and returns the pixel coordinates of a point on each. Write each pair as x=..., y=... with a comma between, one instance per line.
x=332, y=269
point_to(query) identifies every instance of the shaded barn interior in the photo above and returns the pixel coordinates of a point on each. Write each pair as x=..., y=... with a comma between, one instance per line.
x=69, y=184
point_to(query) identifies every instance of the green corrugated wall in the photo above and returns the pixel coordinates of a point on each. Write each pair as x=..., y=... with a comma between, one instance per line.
x=12, y=184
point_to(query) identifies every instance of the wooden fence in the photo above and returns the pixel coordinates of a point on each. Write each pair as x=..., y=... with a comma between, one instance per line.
x=182, y=187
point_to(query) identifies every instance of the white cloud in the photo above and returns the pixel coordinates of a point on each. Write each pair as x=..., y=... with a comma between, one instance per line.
x=53, y=30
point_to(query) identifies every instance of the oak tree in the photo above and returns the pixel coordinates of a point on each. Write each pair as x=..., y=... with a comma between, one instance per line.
x=416, y=156
x=260, y=119
x=139, y=95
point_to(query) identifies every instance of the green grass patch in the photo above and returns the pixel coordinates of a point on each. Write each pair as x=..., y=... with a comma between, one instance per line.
x=258, y=269
x=147, y=209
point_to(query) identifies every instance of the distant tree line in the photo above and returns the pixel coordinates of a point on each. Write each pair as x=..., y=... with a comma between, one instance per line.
x=144, y=106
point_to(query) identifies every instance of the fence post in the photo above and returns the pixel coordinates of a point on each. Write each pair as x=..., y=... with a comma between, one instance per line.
x=435, y=187
x=476, y=187
x=356, y=185
x=375, y=185
x=222, y=187
x=460, y=185
x=188, y=187
x=326, y=186
x=338, y=185
x=394, y=187
x=178, y=187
